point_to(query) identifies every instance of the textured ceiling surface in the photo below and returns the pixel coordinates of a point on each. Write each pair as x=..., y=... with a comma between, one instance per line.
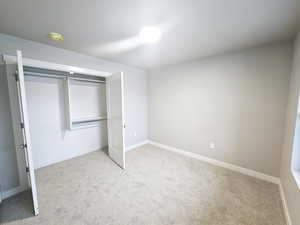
x=191, y=28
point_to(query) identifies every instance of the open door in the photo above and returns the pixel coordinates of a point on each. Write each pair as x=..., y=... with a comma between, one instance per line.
x=115, y=116
x=20, y=117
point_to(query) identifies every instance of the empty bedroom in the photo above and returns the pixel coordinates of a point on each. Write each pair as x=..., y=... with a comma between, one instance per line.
x=150, y=112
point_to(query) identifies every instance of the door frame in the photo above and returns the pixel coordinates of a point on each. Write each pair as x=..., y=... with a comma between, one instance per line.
x=12, y=60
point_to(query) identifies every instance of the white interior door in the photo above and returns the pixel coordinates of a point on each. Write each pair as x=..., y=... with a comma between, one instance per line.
x=115, y=116
x=24, y=132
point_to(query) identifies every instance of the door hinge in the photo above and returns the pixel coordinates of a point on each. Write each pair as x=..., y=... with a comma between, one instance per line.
x=23, y=146
x=17, y=76
x=27, y=169
x=22, y=125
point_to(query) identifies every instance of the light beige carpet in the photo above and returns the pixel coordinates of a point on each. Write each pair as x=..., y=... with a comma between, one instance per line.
x=157, y=188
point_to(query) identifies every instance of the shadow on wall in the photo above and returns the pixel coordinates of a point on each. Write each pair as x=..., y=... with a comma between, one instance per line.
x=8, y=158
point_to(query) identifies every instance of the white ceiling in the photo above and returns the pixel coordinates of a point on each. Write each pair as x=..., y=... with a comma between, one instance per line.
x=191, y=28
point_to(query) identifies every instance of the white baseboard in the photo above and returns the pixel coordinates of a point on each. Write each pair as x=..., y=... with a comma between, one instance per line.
x=285, y=207
x=137, y=145
x=215, y=162
x=12, y=191
x=262, y=176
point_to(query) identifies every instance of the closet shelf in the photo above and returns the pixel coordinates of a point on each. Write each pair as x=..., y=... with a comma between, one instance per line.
x=88, y=120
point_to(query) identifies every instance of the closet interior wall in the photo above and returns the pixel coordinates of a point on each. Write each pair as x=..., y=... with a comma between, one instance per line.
x=65, y=125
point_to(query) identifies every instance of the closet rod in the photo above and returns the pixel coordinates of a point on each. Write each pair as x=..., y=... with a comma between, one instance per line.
x=87, y=80
x=35, y=74
x=56, y=76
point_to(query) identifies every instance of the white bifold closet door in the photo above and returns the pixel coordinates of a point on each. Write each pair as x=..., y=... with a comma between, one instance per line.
x=22, y=141
x=115, y=118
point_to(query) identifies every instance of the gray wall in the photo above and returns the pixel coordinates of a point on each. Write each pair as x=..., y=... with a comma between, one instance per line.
x=8, y=160
x=292, y=192
x=135, y=94
x=236, y=100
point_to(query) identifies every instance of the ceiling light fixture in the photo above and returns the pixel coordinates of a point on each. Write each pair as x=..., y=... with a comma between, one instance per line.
x=56, y=36
x=150, y=34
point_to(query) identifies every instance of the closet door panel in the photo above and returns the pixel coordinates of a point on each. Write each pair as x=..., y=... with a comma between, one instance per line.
x=23, y=142
x=116, y=124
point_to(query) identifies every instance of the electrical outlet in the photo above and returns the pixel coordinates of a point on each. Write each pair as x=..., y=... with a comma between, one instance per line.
x=212, y=145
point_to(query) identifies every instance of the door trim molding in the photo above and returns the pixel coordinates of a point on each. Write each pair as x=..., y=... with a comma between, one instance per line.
x=10, y=59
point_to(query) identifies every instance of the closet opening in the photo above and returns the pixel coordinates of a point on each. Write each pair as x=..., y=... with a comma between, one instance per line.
x=60, y=112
